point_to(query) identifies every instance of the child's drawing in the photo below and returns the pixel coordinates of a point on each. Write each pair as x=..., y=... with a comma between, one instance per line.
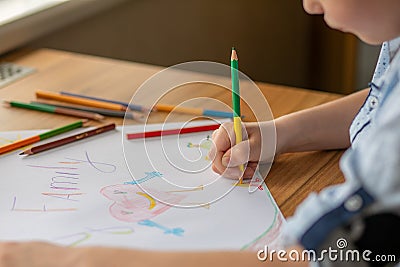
x=204, y=144
x=149, y=175
x=271, y=235
x=173, y=231
x=100, y=166
x=132, y=205
x=76, y=239
x=43, y=208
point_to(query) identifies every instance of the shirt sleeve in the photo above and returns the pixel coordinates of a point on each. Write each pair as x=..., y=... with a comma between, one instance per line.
x=372, y=172
x=375, y=162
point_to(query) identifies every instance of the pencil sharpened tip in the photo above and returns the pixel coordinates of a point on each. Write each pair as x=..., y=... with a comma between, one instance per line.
x=234, y=55
x=99, y=117
x=22, y=153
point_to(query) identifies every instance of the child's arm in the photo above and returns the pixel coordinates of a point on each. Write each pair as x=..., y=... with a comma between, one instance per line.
x=318, y=128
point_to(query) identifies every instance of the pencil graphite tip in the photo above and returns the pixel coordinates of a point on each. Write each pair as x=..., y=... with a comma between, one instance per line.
x=99, y=117
x=135, y=116
x=26, y=152
x=234, y=54
x=86, y=123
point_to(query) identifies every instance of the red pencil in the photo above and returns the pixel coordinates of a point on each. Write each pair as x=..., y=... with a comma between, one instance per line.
x=187, y=130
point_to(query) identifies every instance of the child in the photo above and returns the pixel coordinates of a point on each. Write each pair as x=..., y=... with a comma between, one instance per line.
x=364, y=211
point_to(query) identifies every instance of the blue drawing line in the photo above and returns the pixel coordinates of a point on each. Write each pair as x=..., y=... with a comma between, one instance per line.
x=14, y=203
x=173, y=231
x=96, y=165
x=149, y=175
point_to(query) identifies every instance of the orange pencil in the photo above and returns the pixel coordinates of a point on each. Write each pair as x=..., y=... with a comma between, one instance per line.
x=39, y=137
x=77, y=100
x=186, y=110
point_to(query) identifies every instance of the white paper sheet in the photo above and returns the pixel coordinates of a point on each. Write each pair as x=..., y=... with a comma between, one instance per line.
x=84, y=194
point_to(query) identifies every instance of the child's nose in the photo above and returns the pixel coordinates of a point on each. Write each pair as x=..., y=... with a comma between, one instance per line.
x=313, y=7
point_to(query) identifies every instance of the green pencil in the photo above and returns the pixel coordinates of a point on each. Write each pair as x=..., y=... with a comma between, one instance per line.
x=40, y=137
x=56, y=110
x=237, y=122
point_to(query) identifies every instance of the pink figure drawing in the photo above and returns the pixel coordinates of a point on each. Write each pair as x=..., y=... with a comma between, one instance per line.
x=131, y=204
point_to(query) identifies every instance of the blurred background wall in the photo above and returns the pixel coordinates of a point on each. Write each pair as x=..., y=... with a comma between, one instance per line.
x=277, y=41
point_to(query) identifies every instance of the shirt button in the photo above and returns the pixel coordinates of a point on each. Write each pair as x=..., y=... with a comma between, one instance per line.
x=354, y=203
x=373, y=102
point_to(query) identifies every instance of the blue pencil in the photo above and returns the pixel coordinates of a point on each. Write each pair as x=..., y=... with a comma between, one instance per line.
x=130, y=106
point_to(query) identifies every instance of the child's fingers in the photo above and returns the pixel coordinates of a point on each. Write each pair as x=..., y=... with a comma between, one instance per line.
x=222, y=139
x=235, y=173
x=237, y=155
x=217, y=164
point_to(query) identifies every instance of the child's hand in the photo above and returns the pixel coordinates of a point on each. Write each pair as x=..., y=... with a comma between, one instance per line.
x=227, y=156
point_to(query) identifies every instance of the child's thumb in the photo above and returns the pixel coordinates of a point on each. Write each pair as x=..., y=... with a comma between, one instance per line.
x=237, y=155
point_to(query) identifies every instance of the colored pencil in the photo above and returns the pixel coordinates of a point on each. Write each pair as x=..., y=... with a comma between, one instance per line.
x=125, y=104
x=78, y=100
x=39, y=137
x=57, y=110
x=237, y=122
x=106, y=112
x=69, y=139
x=194, y=111
x=187, y=130
x=159, y=107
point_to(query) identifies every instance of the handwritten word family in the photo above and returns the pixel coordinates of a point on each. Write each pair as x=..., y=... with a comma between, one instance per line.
x=64, y=183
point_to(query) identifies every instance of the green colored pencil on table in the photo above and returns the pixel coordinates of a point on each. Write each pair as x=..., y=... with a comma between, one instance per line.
x=43, y=136
x=55, y=110
x=237, y=122
x=106, y=112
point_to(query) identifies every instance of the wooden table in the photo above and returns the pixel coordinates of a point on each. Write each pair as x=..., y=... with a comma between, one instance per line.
x=292, y=177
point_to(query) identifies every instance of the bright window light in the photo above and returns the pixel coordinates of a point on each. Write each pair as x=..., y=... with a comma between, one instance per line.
x=11, y=10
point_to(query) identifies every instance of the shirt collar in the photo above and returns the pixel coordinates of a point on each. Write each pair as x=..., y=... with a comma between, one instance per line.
x=394, y=46
x=388, y=52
